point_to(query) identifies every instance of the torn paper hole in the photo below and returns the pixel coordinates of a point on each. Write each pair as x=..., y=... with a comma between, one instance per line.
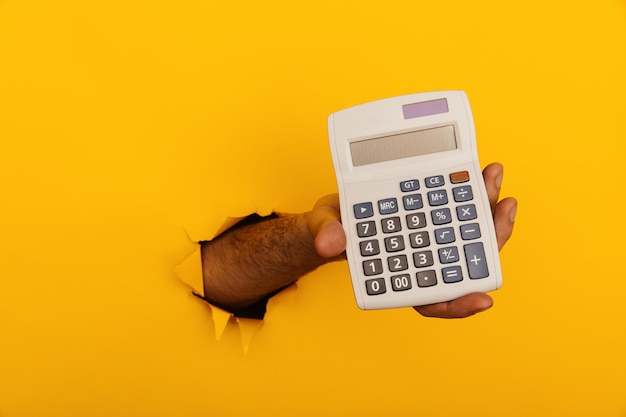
x=190, y=272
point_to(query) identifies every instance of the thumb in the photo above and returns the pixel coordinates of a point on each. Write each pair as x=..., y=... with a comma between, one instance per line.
x=325, y=227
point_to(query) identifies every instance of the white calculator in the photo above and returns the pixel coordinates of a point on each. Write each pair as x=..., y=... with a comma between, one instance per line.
x=413, y=201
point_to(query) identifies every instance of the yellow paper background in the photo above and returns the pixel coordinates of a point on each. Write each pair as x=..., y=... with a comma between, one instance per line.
x=129, y=130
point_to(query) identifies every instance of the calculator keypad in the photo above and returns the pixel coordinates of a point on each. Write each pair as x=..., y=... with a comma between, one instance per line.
x=421, y=237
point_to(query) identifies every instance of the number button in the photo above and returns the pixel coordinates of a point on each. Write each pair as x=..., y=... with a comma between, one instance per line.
x=391, y=225
x=423, y=259
x=397, y=263
x=416, y=221
x=369, y=248
x=375, y=286
x=401, y=282
x=394, y=244
x=419, y=239
x=373, y=267
x=366, y=229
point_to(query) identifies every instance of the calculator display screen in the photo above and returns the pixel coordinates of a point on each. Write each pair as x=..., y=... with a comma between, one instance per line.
x=404, y=145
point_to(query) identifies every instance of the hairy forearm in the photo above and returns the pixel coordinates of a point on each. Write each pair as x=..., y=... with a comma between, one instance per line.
x=245, y=264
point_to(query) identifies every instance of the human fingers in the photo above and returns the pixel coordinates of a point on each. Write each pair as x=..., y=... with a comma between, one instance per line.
x=504, y=220
x=493, y=174
x=462, y=307
x=324, y=224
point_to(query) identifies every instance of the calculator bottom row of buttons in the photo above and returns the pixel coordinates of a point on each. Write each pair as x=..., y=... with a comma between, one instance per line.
x=403, y=282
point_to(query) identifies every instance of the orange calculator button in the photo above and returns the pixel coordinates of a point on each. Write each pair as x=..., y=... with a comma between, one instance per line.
x=461, y=176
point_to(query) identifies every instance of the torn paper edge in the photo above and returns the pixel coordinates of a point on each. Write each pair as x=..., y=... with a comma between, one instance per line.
x=189, y=271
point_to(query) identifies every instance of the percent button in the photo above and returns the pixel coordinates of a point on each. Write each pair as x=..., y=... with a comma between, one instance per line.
x=441, y=216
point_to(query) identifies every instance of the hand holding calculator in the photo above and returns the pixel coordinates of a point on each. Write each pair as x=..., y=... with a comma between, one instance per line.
x=413, y=202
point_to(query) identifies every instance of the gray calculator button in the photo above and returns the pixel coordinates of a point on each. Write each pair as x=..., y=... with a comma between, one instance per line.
x=452, y=274
x=388, y=206
x=401, y=282
x=426, y=278
x=437, y=198
x=416, y=221
x=445, y=235
x=375, y=286
x=412, y=202
x=434, y=181
x=423, y=259
x=372, y=267
x=476, y=261
x=449, y=255
x=463, y=193
x=409, y=185
x=363, y=210
x=419, y=239
x=467, y=212
x=394, y=243
x=470, y=231
x=366, y=229
x=397, y=263
x=391, y=224
x=441, y=216
x=369, y=248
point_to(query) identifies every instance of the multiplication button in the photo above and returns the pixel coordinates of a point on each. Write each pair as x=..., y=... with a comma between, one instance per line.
x=467, y=212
